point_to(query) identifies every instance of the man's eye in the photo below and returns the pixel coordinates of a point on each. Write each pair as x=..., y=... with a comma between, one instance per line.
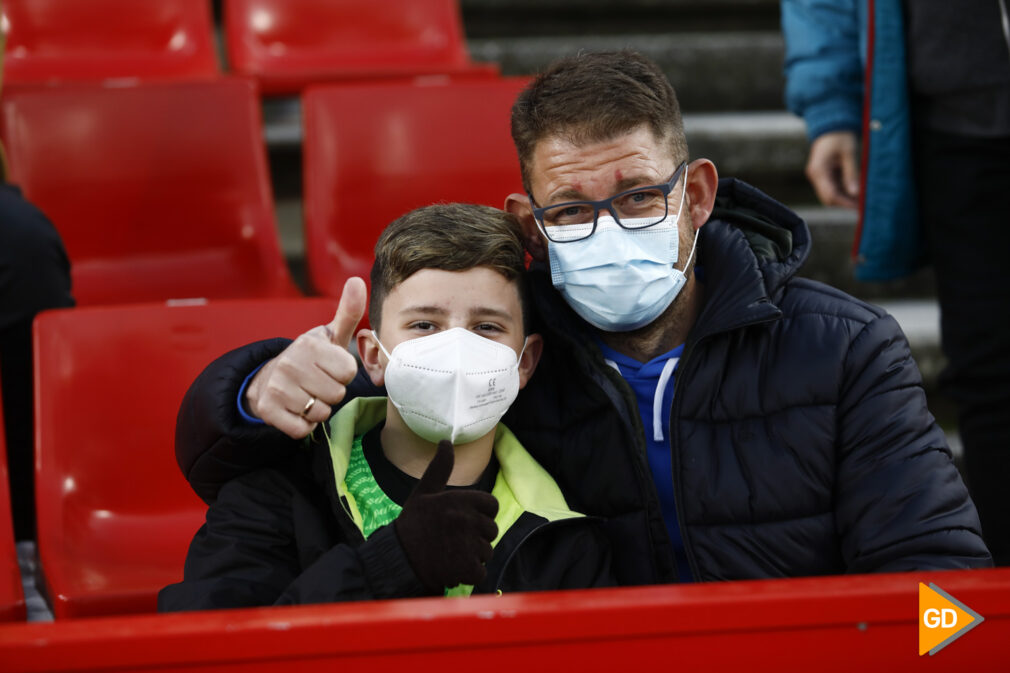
x=640, y=199
x=422, y=325
x=574, y=214
x=487, y=328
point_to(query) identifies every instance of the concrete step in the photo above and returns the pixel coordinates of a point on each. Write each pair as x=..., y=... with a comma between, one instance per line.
x=500, y=18
x=832, y=232
x=711, y=71
x=767, y=149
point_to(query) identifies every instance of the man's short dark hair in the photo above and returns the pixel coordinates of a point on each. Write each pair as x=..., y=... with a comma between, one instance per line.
x=450, y=237
x=594, y=97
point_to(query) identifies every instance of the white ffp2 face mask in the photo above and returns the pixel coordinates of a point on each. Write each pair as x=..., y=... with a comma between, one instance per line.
x=452, y=385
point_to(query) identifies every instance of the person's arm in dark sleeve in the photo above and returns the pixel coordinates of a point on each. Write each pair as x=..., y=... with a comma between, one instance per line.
x=900, y=502
x=823, y=63
x=214, y=442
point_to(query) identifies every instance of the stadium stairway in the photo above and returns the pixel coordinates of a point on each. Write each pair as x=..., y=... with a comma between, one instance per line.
x=725, y=59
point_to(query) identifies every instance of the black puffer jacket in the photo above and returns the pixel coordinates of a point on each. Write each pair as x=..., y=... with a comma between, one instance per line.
x=801, y=440
x=288, y=536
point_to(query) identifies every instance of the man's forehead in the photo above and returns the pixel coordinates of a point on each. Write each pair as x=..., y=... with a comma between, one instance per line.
x=639, y=143
x=559, y=162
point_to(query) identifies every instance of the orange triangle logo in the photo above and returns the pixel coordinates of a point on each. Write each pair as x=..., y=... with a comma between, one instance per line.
x=942, y=619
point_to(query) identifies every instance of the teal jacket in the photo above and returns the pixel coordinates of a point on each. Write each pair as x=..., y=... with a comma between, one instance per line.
x=845, y=70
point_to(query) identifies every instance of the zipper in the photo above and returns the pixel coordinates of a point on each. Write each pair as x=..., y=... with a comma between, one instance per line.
x=346, y=522
x=1005, y=21
x=530, y=533
x=685, y=360
x=864, y=163
x=624, y=393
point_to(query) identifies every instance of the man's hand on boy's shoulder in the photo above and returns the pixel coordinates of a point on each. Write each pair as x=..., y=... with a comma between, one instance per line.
x=294, y=391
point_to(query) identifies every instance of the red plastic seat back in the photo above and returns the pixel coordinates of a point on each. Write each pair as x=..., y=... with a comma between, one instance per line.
x=373, y=152
x=837, y=624
x=288, y=44
x=115, y=514
x=51, y=41
x=159, y=191
x=12, y=597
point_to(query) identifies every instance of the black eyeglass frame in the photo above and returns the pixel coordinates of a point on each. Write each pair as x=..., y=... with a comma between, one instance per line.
x=607, y=204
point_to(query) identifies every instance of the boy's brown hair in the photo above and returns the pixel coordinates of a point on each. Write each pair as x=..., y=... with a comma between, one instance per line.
x=450, y=237
x=593, y=97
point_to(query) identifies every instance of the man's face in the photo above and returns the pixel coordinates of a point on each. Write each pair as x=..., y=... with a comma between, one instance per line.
x=561, y=171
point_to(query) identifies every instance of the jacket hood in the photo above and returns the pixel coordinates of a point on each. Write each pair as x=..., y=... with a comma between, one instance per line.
x=747, y=251
x=777, y=237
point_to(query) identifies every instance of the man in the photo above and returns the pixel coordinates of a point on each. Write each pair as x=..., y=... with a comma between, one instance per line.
x=727, y=419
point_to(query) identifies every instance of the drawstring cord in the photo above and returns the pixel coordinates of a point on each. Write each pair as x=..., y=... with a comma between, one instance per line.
x=1005, y=19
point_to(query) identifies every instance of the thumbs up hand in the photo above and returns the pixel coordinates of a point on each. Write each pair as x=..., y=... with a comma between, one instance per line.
x=293, y=392
x=446, y=535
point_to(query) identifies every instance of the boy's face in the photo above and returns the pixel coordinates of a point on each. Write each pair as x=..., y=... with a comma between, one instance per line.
x=432, y=300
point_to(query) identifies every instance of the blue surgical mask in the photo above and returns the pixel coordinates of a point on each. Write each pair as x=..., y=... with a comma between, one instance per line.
x=620, y=279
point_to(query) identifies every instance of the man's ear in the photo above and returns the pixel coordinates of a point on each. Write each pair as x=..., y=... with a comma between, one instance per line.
x=520, y=206
x=371, y=357
x=702, y=184
x=531, y=356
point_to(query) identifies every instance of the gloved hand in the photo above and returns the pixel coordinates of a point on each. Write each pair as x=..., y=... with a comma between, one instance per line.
x=446, y=535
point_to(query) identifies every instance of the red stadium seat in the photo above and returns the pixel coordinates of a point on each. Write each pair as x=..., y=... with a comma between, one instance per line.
x=59, y=41
x=12, y=597
x=289, y=44
x=159, y=191
x=374, y=152
x=115, y=514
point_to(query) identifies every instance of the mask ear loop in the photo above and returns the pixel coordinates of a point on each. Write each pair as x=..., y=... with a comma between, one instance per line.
x=381, y=347
x=683, y=193
x=519, y=359
x=693, y=246
x=680, y=211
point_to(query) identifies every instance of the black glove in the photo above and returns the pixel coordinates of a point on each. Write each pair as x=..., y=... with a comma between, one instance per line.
x=446, y=535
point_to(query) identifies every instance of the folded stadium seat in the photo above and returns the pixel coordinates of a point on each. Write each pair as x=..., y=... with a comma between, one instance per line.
x=61, y=41
x=159, y=190
x=12, y=597
x=374, y=152
x=289, y=44
x=115, y=514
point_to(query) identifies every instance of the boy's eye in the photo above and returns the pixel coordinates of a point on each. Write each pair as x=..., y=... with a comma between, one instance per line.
x=422, y=325
x=488, y=328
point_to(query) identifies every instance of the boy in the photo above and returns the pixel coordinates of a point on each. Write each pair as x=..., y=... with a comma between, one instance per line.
x=381, y=505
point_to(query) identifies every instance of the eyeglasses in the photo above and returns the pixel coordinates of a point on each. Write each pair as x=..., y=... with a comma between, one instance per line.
x=637, y=208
